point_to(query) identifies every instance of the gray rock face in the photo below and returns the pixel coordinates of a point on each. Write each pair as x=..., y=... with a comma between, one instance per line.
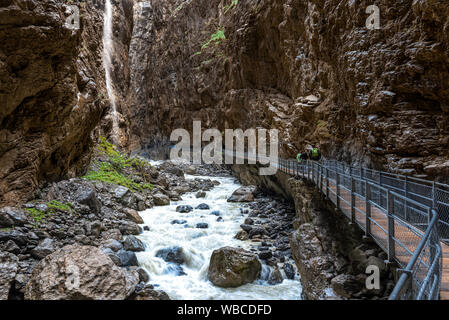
x=134, y=216
x=233, y=267
x=8, y=270
x=174, y=254
x=184, y=209
x=133, y=244
x=44, y=248
x=127, y=258
x=243, y=194
x=12, y=217
x=161, y=199
x=120, y=192
x=79, y=272
x=346, y=285
x=88, y=197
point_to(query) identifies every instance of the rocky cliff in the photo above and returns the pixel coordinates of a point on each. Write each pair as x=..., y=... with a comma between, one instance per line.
x=309, y=68
x=52, y=90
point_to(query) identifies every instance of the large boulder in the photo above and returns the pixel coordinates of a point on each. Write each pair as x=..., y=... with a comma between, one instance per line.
x=79, y=272
x=134, y=216
x=8, y=270
x=12, y=217
x=243, y=194
x=148, y=293
x=346, y=285
x=161, y=199
x=174, y=254
x=88, y=197
x=233, y=267
x=184, y=209
x=131, y=243
x=44, y=248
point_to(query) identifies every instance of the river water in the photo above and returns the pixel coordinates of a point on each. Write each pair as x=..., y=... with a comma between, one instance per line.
x=198, y=245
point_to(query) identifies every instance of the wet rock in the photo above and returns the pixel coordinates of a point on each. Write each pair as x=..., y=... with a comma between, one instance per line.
x=202, y=225
x=216, y=213
x=161, y=199
x=346, y=285
x=241, y=235
x=79, y=272
x=18, y=237
x=115, y=234
x=130, y=228
x=249, y=222
x=184, y=209
x=264, y=255
x=44, y=248
x=12, y=217
x=219, y=219
x=203, y=206
x=174, y=269
x=131, y=243
x=256, y=231
x=275, y=277
x=113, y=256
x=143, y=275
x=233, y=267
x=289, y=271
x=246, y=227
x=243, y=194
x=146, y=228
x=200, y=194
x=127, y=258
x=134, y=216
x=9, y=268
x=190, y=170
x=148, y=293
x=174, y=254
x=176, y=221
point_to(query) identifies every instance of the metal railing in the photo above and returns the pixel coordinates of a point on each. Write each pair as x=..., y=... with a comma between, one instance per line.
x=406, y=216
x=403, y=222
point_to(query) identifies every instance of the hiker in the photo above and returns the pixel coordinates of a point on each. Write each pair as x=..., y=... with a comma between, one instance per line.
x=302, y=156
x=314, y=154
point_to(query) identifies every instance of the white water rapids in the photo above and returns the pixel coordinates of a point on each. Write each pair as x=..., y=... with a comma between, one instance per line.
x=198, y=245
x=108, y=50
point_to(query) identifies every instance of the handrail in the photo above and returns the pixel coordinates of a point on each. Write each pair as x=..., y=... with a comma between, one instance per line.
x=408, y=270
x=405, y=205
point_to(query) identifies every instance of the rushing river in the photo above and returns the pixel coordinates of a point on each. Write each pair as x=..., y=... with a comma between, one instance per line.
x=198, y=245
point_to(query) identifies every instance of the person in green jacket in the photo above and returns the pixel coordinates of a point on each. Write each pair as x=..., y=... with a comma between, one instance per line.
x=315, y=154
x=302, y=156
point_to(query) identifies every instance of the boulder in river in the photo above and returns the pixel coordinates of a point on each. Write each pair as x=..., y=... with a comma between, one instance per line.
x=79, y=272
x=202, y=225
x=184, y=209
x=203, y=206
x=200, y=194
x=131, y=243
x=243, y=194
x=232, y=267
x=161, y=199
x=173, y=254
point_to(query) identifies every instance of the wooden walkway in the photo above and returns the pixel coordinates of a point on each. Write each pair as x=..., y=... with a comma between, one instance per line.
x=379, y=227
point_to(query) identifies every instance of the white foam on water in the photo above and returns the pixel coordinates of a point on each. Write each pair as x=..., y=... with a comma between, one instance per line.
x=198, y=245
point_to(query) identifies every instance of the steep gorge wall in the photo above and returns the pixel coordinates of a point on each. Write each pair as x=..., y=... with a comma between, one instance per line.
x=380, y=97
x=52, y=91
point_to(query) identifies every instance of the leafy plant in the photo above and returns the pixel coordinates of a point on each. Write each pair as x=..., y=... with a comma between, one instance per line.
x=215, y=38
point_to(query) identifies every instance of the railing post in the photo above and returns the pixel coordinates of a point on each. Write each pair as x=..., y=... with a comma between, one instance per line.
x=434, y=205
x=308, y=170
x=390, y=217
x=352, y=200
x=367, y=209
x=338, y=190
x=380, y=177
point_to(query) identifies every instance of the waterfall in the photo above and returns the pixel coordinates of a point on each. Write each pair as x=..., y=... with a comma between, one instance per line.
x=108, y=50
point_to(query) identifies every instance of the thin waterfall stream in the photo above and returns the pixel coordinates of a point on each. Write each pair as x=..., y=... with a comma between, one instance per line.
x=108, y=50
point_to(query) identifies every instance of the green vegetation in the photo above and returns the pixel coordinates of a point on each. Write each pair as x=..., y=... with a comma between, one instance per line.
x=112, y=170
x=5, y=229
x=215, y=38
x=55, y=205
x=233, y=4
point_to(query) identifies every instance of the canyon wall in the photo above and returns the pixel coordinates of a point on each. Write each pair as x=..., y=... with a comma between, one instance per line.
x=52, y=91
x=309, y=68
